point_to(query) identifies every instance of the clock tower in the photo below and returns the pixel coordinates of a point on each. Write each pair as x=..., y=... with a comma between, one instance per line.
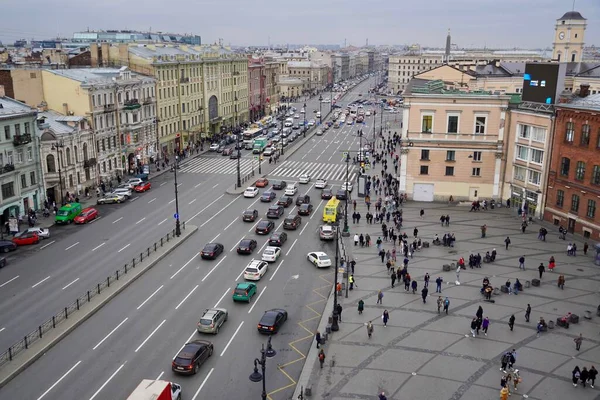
x=569, y=33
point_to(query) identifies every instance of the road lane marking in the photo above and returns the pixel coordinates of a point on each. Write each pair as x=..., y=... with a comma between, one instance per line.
x=215, y=267
x=40, y=282
x=263, y=246
x=232, y=337
x=187, y=341
x=117, y=220
x=215, y=186
x=186, y=297
x=253, y=226
x=59, y=380
x=108, y=381
x=2, y=329
x=215, y=238
x=302, y=231
x=9, y=281
x=221, y=299
x=203, y=383
x=46, y=245
x=218, y=212
x=141, y=220
x=256, y=301
x=171, y=202
x=134, y=199
x=184, y=265
x=97, y=247
x=198, y=185
x=179, y=184
x=193, y=201
x=151, y=296
x=276, y=269
x=149, y=336
x=315, y=211
x=201, y=211
x=151, y=201
x=163, y=221
x=110, y=333
x=238, y=277
x=288, y=252
x=129, y=244
x=70, y=284
x=71, y=246
x=238, y=242
x=164, y=183
x=160, y=375
x=231, y=223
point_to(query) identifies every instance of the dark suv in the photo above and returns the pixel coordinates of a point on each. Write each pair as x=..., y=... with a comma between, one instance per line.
x=278, y=239
x=302, y=199
x=275, y=212
x=292, y=222
x=279, y=185
x=264, y=227
x=285, y=201
x=250, y=215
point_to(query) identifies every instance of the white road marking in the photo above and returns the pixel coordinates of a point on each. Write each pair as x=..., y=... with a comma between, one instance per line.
x=217, y=199
x=128, y=244
x=172, y=201
x=276, y=269
x=215, y=238
x=263, y=246
x=231, y=223
x=221, y=299
x=110, y=333
x=253, y=226
x=215, y=186
x=40, y=282
x=151, y=201
x=46, y=245
x=71, y=246
x=238, y=277
x=217, y=213
x=290, y=249
x=141, y=220
x=317, y=208
x=160, y=375
x=186, y=297
x=183, y=345
x=163, y=221
x=149, y=336
x=213, y=268
x=134, y=199
x=70, y=284
x=184, y=265
x=179, y=184
x=232, y=337
x=203, y=383
x=97, y=247
x=302, y=231
x=257, y=299
x=117, y=220
x=164, y=183
x=2, y=329
x=9, y=281
x=149, y=297
x=198, y=185
x=193, y=201
x=59, y=380
x=108, y=381
x=238, y=242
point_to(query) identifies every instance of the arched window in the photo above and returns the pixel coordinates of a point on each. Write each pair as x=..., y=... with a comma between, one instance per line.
x=50, y=165
x=76, y=154
x=68, y=156
x=85, y=152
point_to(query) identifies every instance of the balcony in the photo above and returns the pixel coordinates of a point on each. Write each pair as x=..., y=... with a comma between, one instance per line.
x=184, y=80
x=20, y=140
x=89, y=163
x=7, y=168
x=109, y=107
x=132, y=104
x=148, y=100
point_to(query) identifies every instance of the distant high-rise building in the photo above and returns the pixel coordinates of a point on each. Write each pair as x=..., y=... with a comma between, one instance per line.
x=569, y=37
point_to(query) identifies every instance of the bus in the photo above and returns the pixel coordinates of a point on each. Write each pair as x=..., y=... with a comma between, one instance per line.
x=249, y=135
x=331, y=211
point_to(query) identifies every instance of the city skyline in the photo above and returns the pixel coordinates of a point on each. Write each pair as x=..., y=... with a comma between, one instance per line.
x=242, y=24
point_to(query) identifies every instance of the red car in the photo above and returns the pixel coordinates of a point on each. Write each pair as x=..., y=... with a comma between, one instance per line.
x=25, y=238
x=262, y=182
x=143, y=187
x=87, y=215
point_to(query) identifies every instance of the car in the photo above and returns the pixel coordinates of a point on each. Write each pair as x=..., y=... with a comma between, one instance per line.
x=261, y=183
x=291, y=190
x=143, y=187
x=25, y=238
x=244, y=291
x=211, y=251
x=269, y=151
x=327, y=232
x=272, y=321
x=296, y=116
x=267, y=196
x=275, y=211
x=111, y=198
x=246, y=246
x=133, y=182
x=7, y=245
x=319, y=132
x=284, y=142
x=255, y=270
x=292, y=222
x=86, y=215
x=249, y=215
x=302, y=199
x=368, y=113
x=285, y=201
x=227, y=152
x=192, y=356
x=320, y=183
x=305, y=209
x=271, y=254
x=304, y=178
x=234, y=155
x=279, y=185
x=41, y=232
x=312, y=122
x=278, y=239
x=123, y=191
x=212, y=320
x=347, y=186
x=319, y=259
x=264, y=227
x=251, y=191
x=213, y=147
x=326, y=194
x=341, y=195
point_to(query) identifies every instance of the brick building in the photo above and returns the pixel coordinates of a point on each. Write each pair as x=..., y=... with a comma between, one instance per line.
x=574, y=179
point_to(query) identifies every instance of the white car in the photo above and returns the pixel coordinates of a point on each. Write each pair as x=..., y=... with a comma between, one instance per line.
x=319, y=259
x=125, y=192
x=291, y=190
x=312, y=122
x=319, y=132
x=41, y=232
x=213, y=147
x=304, y=178
x=368, y=113
x=255, y=270
x=321, y=184
x=302, y=111
x=296, y=116
x=251, y=192
x=271, y=254
x=347, y=186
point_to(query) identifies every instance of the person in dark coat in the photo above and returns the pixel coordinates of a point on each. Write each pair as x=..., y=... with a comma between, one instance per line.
x=592, y=376
x=575, y=375
x=479, y=312
x=424, y=294
x=584, y=376
x=511, y=322
x=414, y=286
x=541, y=270
x=339, y=311
x=318, y=338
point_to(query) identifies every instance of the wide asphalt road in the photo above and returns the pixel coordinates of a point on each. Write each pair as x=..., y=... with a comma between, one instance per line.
x=137, y=334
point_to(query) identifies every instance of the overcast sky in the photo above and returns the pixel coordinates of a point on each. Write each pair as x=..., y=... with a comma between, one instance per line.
x=474, y=23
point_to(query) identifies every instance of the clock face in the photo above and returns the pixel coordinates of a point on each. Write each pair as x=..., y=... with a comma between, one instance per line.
x=561, y=35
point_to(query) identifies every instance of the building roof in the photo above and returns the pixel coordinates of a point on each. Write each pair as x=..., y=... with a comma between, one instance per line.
x=57, y=122
x=302, y=64
x=192, y=52
x=418, y=86
x=588, y=103
x=575, y=15
x=87, y=74
x=10, y=108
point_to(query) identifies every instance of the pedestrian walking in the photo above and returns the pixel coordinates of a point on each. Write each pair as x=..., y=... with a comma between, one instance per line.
x=380, y=297
x=321, y=358
x=382, y=255
x=504, y=361
x=483, y=230
x=473, y=326
x=479, y=312
x=592, y=376
x=422, y=214
x=541, y=270
x=504, y=393
x=318, y=338
x=426, y=279
x=586, y=246
x=382, y=396
x=338, y=308
x=440, y=302
x=528, y=312
x=424, y=294
x=361, y=306
x=414, y=286
x=438, y=283
x=385, y=317
x=446, y=305
x=578, y=341
x=575, y=375
x=516, y=379
x=351, y=282
x=511, y=322
x=393, y=279
x=522, y=263
x=507, y=242
x=369, y=329
x=485, y=325
x=512, y=358
x=584, y=376
x=356, y=239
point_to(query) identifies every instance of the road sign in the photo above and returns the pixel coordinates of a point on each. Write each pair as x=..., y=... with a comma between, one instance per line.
x=176, y=216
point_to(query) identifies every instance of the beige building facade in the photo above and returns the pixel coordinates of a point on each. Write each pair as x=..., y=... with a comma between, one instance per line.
x=569, y=36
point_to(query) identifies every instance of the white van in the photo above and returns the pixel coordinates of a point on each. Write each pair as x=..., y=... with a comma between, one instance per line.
x=289, y=122
x=318, y=114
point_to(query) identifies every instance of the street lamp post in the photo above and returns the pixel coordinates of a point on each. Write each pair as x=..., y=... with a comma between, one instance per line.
x=346, y=231
x=304, y=127
x=281, y=131
x=320, y=112
x=177, y=224
x=381, y=120
x=239, y=152
x=59, y=145
x=256, y=376
x=335, y=316
x=331, y=90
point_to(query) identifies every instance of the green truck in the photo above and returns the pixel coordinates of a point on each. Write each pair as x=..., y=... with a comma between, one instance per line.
x=259, y=145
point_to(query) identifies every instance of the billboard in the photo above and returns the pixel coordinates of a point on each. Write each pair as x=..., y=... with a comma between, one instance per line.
x=543, y=82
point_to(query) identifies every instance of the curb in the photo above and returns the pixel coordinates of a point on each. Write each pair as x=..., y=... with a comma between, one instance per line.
x=56, y=335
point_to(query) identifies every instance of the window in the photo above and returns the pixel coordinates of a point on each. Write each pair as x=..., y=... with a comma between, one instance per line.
x=9, y=157
x=424, y=169
x=537, y=156
x=580, y=170
x=476, y=171
x=427, y=124
x=598, y=140
x=595, y=175
x=520, y=173
x=565, y=165
x=450, y=155
x=560, y=198
x=524, y=131
x=50, y=164
x=480, y=125
x=449, y=171
x=8, y=190
x=452, y=124
x=575, y=203
x=591, y=209
x=7, y=133
x=477, y=156
x=27, y=128
x=570, y=133
x=32, y=177
x=23, y=181
x=19, y=156
x=534, y=177
x=523, y=153
x=17, y=129
x=29, y=154
x=538, y=134
x=424, y=154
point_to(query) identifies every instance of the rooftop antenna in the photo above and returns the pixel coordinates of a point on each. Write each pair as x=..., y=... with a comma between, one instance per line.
x=573, y=5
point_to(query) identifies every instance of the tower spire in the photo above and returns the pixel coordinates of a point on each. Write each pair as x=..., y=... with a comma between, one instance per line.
x=448, y=45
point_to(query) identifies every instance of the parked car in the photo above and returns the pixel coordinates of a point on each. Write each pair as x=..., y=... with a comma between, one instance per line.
x=26, y=238
x=87, y=215
x=7, y=245
x=41, y=232
x=111, y=198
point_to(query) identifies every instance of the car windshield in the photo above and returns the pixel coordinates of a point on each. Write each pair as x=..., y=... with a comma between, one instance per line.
x=182, y=360
x=240, y=291
x=205, y=321
x=268, y=319
x=245, y=243
x=62, y=213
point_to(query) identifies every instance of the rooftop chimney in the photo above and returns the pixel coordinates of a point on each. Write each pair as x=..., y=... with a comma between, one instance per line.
x=584, y=90
x=2, y=92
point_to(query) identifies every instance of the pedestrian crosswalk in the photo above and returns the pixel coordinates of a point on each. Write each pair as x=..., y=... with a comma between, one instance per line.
x=330, y=172
x=219, y=165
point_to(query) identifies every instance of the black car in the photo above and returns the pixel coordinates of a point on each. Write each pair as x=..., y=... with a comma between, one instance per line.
x=246, y=246
x=7, y=245
x=326, y=194
x=302, y=199
x=279, y=185
x=264, y=227
x=275, y=212
x=250, y=215
x=285, y=201
x=305, y=209
x=272, y=321
x=2, y=262
x=267, y=197
x=341, y=195
x=211, y=251
x=278, y=239
x=292, y=222
x=192, y=356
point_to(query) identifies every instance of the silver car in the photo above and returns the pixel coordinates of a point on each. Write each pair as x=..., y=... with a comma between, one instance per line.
x=212, y=320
